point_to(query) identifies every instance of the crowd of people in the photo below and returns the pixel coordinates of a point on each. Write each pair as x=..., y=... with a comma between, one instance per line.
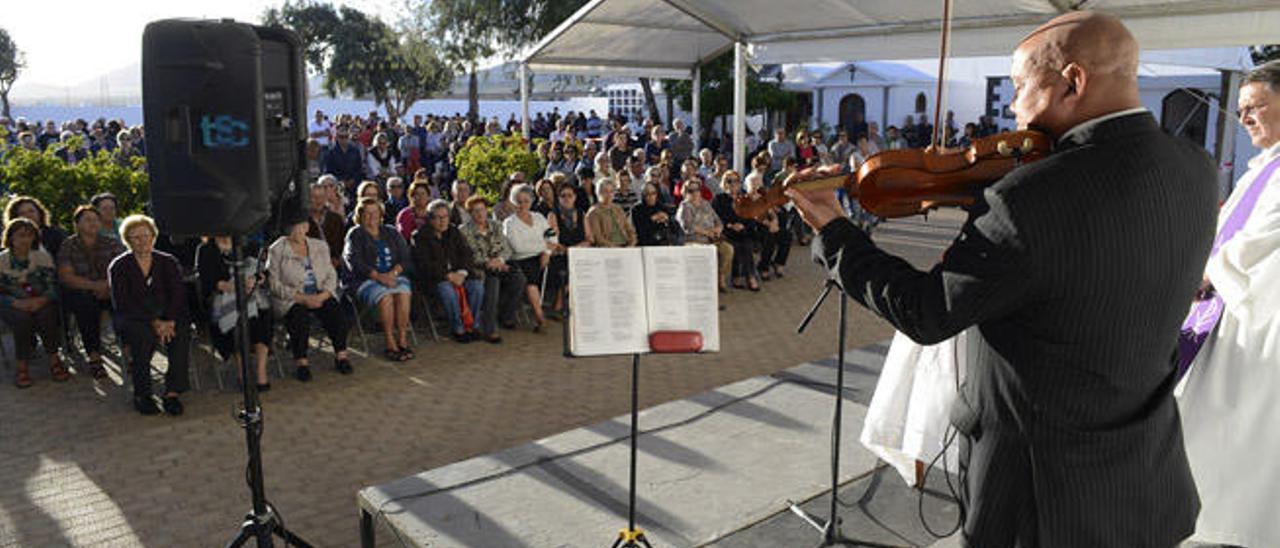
x=391, y=228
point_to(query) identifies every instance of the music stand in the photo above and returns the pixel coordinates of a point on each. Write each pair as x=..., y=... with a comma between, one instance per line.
x=660, y=342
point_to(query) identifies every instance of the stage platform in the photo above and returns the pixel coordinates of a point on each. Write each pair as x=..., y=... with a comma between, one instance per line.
x=717, y=469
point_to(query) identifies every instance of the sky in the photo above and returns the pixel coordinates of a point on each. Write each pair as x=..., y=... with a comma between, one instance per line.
x=70, y=41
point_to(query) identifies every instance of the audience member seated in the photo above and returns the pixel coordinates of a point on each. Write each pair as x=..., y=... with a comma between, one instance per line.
x=373, y=191
x=569, y=223
x=378, y=258
x=585, y=185
x=775, y=236
x=107, y=207
x=150, y=298
x=29, y=298
x=506, y=200
x=397, y=199
x=625, y=194
x=415, y=215
x=701, y=225
x=51, y=237
x=545, y=191
x=218, y=289
x=607, y=224
x=82, y=270
x=531, y=239
x=445, y=264
x=654, y=221
x=461, y=192
x=324, y=224
x=334, y=197
x=502, y=283
x=303, y=285
x=689, y=171
x=741, y=233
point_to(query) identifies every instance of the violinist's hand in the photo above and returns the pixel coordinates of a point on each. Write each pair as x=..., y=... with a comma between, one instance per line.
x=814, y=173
x=817, y=207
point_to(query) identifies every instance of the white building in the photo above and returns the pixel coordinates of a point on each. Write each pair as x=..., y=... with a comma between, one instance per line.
x=1181, y=88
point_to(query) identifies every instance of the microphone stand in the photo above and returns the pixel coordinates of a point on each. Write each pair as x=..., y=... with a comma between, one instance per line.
x=262, y=521
x=830, y=528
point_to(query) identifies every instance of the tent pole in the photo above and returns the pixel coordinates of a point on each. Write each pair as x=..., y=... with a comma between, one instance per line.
x=524, y=100
x=1225, y=147
x=739, y=106
x=697, y=109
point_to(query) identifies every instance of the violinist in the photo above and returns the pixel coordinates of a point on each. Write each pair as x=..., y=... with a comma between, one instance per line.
x=1076, y=269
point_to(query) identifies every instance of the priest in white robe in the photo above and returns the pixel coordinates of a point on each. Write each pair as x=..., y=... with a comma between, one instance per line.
x=1230, y=398
x=906, y=424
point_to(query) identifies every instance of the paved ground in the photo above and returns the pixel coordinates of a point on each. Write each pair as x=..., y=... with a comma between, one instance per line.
x=79, y=468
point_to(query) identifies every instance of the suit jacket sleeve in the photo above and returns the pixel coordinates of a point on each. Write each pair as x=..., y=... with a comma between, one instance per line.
x=986, y=273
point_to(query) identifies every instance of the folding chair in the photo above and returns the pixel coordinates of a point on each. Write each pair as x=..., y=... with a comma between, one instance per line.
x=360, y=313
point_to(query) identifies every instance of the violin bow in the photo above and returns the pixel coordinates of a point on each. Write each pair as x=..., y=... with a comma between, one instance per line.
x=939, y=135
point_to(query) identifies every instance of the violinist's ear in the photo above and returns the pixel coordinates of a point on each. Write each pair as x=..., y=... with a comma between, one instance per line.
x=1076, y=78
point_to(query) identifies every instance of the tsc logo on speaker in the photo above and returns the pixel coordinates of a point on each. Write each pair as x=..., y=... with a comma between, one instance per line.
x=224, y=131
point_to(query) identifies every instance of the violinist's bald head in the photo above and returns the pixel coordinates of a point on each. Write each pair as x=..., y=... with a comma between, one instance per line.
x=1098, y=42
x=1075, y=67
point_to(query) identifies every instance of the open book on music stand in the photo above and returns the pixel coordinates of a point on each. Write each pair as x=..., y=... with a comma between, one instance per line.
x=641, y=300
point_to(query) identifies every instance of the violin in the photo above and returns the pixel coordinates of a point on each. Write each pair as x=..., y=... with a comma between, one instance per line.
x=902, y=183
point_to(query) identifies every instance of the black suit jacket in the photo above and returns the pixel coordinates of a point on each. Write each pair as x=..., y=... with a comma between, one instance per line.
x=1078, y=270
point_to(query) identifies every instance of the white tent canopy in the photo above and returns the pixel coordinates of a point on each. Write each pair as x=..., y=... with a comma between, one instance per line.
x=671, y=38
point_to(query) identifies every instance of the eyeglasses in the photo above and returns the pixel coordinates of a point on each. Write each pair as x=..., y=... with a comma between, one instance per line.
x=1251, y=110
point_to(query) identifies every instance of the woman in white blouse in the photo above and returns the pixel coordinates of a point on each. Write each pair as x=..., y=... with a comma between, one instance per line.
x=532, y=241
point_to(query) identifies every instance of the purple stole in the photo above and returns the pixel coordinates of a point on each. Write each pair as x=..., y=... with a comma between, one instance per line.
x=1207, y=309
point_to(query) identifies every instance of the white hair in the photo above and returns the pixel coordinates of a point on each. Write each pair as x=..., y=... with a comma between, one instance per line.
x=603, y=184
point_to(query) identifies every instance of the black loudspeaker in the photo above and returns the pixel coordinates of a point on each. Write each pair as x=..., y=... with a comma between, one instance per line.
x=224, y=105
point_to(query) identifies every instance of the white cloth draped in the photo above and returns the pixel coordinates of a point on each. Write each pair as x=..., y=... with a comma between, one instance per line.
x=908, y=416
x=1230, y=401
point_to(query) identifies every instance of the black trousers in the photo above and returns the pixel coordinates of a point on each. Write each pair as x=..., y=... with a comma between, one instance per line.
x=26, y=325
x=502, y=293
x=259, y=333
x=87, y=310
x=774, y=249
x=744, y=260
x=298, y=323
x=142, y=342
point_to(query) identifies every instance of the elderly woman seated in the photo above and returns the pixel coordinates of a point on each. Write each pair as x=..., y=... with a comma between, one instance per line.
x=218, y=288
x=304, y=284
x=502, y=283
x=82, y=270
x=445, y=264
x=607, y=224
x=774, y=233
x=654, y=220
x=51, y=237
x=378, y=258
x=702, y=226
x=532, y=242
x=742, y=233
x=151, y=300
x=29, y=298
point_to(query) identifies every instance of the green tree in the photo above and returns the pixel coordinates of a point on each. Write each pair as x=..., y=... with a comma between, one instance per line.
x=474, y=30
x=717, y=91
x=11, y=64
x=62, y=186
x=363, y=55
x=486, y=162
